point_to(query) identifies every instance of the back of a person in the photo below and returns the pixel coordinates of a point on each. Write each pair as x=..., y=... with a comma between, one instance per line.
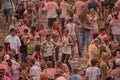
x=76, y=77
x=93, y=4
x=92, y=73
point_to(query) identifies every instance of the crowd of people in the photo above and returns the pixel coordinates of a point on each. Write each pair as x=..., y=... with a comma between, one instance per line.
x=40, y=49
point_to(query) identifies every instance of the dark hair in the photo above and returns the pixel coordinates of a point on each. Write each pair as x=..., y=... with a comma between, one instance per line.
x=49, y=64
x=47, y=35
x=75, y=70
x=12, y=29
x=37, y=47
x=94, y=61
x=114, y=53
x=25, y=30
x=102, y=29
x=95, y=35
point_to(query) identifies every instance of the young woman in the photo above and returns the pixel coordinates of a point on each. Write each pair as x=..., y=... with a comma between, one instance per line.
x=66, y=50
x=56, y=36
x=42, y=33
x=93, y=18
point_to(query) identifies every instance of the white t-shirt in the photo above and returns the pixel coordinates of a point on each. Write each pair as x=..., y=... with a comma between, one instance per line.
x=92, y=73
x=61, y=78
x=35, y=72
x=51, y=8
x=14, y=42
x=64, y=7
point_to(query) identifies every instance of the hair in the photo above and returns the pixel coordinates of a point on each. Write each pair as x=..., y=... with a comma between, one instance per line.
x=83, y=14
x=1, y=47
x=75, y=70
x=94, y=61
x=49, y=64
x=37, y=47
x=48, y=35
x=58, y=63
x=12, y=29
x=114, y=53
x=102, y=29
x=6, y=46
x=95, y=35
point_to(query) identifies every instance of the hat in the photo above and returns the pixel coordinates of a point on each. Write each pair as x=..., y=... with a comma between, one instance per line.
x=2, y=66
x=117, y=61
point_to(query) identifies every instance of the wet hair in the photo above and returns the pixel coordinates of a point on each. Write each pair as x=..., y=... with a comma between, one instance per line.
x=94, y=61
x=49, y=64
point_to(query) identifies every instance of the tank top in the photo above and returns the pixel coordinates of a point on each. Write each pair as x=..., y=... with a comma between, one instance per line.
x=66, y=49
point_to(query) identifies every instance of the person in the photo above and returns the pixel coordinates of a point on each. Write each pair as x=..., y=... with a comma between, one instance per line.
x=14, y=42
x=115, y=72
x=50, y=70
x=71, y=26
x=75, y=75
x=66, y=50
x=56, y=36
x=93, y=4
x=93, y=72
x=51, y=8
x=42, y=33
x=79, y=5
x=93, y=18
x=59, y=76
x=85, y=28
x=61, y=67
x=115, y=27
x=8, y=10
x=36, y=53
x=48, y=47
x=24, y=42
x=2, y=73
x=19, y=11
x=24, y=26
x=35, y=70
x=64, y=7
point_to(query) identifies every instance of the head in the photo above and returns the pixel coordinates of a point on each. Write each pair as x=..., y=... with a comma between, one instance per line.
x=25, y=31
x=117, y=62
x=55, y=25
x=41, y=26
x=94, y=61
x=83, y=15
x=50, y=64
x=75, y=70
x=1, y=48
x=96, y=42
x=2, y=70
x=13, y=31
x=30, y=60
x=66, y=32
x=103, y=31
x=30, y=5
x=114, y=53
x=48, y=37
x=92, y=11
x=59, y=64
x=6, y=57
x=37, y=47
x=32, y=29
x=26, y=21
x=71, y=13
x=37, y=5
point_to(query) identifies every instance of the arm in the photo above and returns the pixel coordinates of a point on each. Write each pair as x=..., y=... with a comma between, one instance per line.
x=71, y=42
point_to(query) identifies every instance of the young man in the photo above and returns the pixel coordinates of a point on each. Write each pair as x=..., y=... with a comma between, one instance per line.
x=51, y=8
x=14, y=42
x=93, y=72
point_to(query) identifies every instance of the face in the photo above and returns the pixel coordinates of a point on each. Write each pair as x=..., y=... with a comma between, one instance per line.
x=13, y=33
x=65, y=32
x=92, y=11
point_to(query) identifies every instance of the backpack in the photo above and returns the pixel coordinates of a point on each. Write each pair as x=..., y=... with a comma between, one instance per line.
x=75, y=77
